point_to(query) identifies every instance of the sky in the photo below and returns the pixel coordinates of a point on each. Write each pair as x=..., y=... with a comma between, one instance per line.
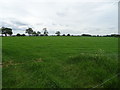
x=95, y=17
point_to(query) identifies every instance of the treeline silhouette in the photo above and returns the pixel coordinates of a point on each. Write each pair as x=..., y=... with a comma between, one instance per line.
x=8, y=31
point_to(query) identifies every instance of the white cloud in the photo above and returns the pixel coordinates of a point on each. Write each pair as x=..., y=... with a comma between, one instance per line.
x=68, y=16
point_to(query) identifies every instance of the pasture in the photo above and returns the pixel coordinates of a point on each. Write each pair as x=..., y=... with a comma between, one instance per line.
x=59, y=62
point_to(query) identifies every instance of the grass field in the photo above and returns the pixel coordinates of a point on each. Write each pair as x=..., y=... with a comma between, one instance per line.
x=59, y=62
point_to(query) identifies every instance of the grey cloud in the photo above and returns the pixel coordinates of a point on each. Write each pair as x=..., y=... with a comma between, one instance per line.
x=40, y=24
x=18, y=23
x=112, y=28
x=61, y=14
x=54, y=24
x=12, y=22
x=18, y=29
x=69, y=17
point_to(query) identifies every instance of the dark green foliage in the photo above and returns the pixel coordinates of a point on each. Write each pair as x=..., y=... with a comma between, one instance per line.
x=58, y=33
x=18, y=34
x=68, y=34
x=45, y=31
x=63, y=35
x=86, y=35
x=6, y=31
x=34, y=33
x=23, y=35
x=29, y=31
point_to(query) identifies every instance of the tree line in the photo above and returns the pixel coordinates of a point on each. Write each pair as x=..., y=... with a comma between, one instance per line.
x=8, y=31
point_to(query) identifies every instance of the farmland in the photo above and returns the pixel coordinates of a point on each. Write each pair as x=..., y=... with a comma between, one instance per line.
x=59, y=62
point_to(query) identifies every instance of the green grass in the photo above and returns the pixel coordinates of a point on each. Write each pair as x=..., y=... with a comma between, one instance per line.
x=59, y=62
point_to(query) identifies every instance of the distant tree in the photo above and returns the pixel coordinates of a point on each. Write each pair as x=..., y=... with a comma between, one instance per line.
x=3, y=31
x=18, y=34
x=45, y=31
x=106, y=35
x=41, y=34
x=68, y=34
x=58, y=33
x=29, y=31
x=63, y=35
x=9, y=32
x=6, y=31
x=34, y=33
x=94, y=35
x=23, y=35
x=38, y=33
x=115, y=35
x=85, y=35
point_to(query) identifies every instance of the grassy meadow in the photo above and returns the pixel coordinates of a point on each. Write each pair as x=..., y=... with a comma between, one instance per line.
x=59, y=62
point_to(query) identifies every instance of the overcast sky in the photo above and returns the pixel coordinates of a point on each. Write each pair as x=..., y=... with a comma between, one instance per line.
x=67, y=16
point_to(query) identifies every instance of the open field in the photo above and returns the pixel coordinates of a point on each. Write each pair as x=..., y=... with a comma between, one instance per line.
x=59, y=62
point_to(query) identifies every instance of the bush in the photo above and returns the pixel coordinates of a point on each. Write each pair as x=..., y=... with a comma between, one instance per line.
x=68, y=34
x=85, y=35
x=18, y=34
x=23, y=35
x=63, y=35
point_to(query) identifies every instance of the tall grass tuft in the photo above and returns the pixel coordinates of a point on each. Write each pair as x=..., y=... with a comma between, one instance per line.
x=96, y=68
